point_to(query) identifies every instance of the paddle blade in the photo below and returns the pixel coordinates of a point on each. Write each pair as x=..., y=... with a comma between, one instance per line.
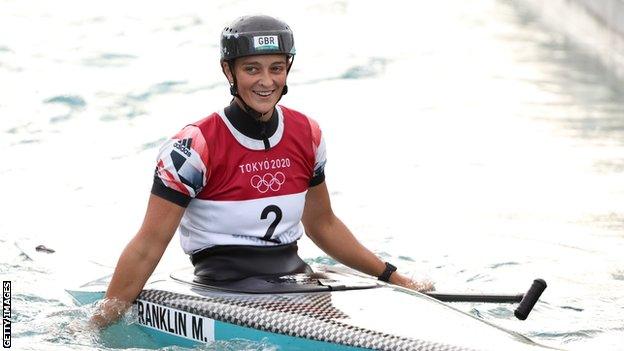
x=530, y=299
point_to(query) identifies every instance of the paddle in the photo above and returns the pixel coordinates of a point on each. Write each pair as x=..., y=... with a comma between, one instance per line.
x=527, y=301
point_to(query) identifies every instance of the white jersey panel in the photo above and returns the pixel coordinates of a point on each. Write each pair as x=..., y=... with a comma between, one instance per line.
x=207, y=223
x=320, y=157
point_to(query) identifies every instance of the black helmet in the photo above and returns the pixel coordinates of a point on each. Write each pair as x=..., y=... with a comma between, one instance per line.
x=256, y=35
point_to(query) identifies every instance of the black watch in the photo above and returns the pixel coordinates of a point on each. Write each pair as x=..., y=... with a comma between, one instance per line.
x=385, y=276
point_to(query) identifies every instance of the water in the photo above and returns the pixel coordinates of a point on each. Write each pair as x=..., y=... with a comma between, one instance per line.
x=466, y=143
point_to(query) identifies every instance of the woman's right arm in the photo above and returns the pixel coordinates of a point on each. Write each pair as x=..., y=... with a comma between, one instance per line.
x=139, y=259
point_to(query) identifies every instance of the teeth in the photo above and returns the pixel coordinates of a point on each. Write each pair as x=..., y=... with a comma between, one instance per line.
x=263, y=93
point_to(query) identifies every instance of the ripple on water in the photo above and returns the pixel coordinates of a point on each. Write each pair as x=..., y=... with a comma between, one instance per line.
x=497, y=265
x=29, y=141
x=479, y=277
x=501, y=312
x=31, y=306
x=71, y=101
x=28, y=128
x=324, y=260
x=61, y=118
x=610, y=221
x=568, y=336
x=124, y=109
x=183, y=23
x=131, y=105
x=618, y=275
x=609, y=166
x=108, y=118
x=109, y=60
x=157, y=89
x=406, y=258
x=152, y=144
x=572, y=308
x=374, y=67
x=475, y=312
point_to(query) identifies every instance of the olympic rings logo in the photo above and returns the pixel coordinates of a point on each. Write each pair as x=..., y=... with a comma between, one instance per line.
x=268, y=181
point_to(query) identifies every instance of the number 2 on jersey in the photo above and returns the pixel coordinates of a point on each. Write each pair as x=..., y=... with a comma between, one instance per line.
x=278, y=218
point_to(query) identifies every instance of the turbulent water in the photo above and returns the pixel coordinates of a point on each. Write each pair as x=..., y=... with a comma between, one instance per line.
x=466, y=143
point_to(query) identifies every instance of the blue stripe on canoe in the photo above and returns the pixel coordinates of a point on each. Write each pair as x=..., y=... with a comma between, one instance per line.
x=226, y=331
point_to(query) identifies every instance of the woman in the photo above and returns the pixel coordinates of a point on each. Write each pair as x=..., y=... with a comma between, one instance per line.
x=241, y=182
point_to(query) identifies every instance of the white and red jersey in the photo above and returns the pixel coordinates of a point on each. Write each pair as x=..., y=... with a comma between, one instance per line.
x=238, y=191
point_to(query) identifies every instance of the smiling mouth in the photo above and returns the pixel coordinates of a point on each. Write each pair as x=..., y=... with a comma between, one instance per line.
x=263, y=93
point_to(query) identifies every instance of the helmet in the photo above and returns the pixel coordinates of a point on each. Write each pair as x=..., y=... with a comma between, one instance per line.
x=256, y=35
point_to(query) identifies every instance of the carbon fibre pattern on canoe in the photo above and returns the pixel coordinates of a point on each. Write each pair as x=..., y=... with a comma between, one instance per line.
x=309, y=316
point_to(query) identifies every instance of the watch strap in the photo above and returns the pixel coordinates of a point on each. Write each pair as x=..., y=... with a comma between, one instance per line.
x=385, y=276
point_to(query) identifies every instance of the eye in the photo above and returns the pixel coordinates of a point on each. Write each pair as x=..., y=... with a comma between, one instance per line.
x=277, y=69
x=250, y=69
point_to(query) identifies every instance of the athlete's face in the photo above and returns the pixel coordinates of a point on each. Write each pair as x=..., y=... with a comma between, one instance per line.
x=260, y=80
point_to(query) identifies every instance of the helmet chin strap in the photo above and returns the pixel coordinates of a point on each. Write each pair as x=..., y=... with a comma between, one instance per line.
x=248, y=109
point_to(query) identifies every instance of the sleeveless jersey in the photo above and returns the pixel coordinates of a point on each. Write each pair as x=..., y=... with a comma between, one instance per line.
x=236, y=191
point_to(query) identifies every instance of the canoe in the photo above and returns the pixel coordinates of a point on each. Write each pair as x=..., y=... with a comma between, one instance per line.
x=333, y=309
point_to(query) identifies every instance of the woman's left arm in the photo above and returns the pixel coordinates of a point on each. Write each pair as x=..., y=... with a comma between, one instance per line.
x=329, y=233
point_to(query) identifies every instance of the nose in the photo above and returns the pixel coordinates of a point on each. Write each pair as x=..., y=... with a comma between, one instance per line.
x=265, y=78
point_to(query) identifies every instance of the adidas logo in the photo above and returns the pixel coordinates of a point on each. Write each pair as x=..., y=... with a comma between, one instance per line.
x=184, y=145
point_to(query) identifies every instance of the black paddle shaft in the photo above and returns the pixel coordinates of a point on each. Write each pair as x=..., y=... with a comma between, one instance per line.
x=476, y=297
x=527, y=301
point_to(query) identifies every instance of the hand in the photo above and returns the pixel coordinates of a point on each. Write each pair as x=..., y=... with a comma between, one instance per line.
x=108, y=311
x=423, y=285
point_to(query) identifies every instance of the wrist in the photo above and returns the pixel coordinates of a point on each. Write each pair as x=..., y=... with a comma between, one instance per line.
x=386, y=275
